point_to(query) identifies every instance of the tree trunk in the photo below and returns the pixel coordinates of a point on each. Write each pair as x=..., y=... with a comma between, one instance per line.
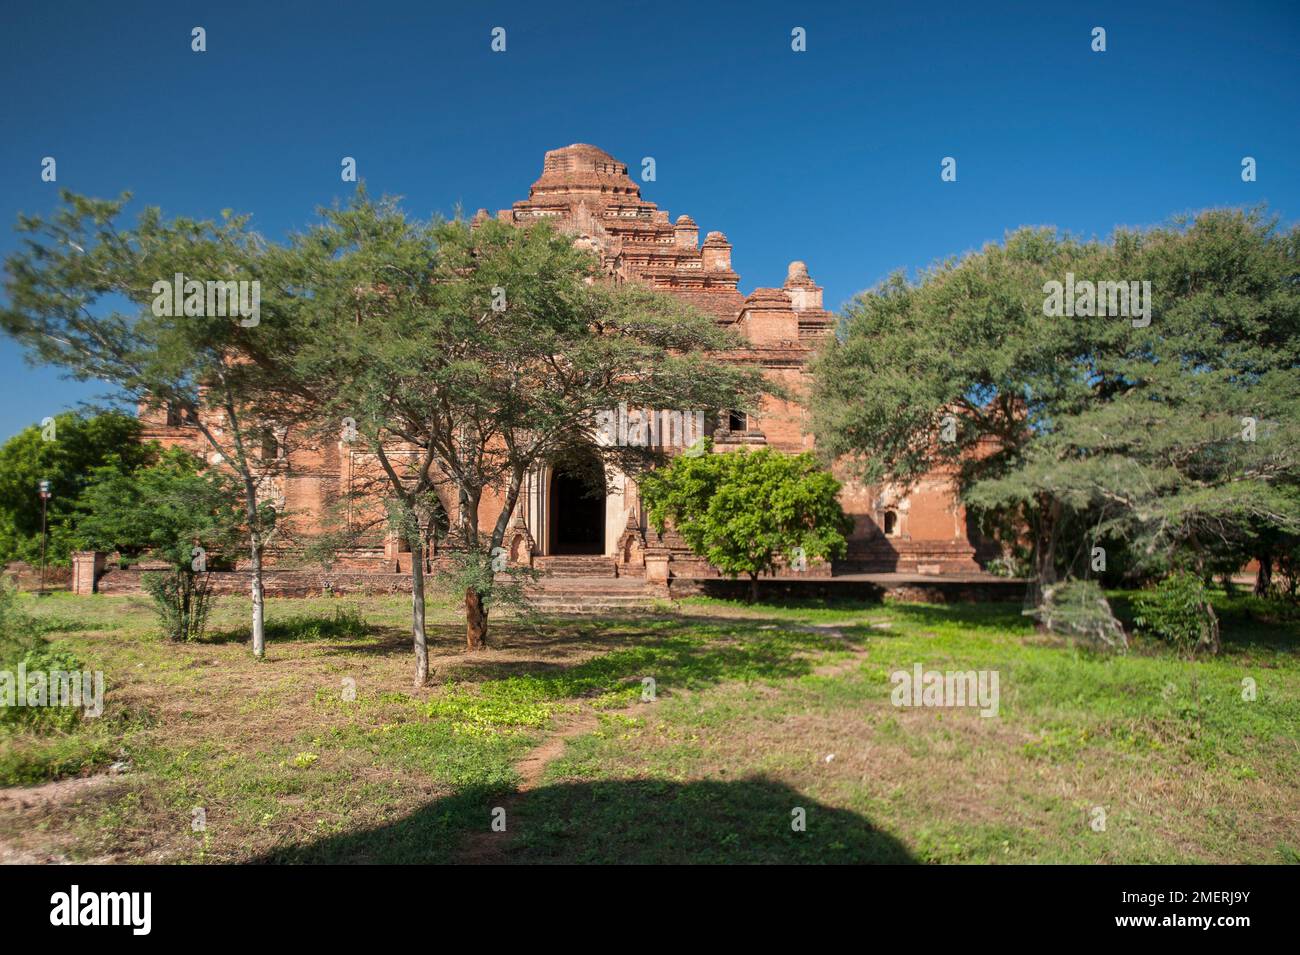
x=182, y=585
x=753, y=588
x=259, y=601
x=417, y=613
x=1264, y=576
x=255, y=542
x=1209, y=641
x=475, y=620
x=1045, y=545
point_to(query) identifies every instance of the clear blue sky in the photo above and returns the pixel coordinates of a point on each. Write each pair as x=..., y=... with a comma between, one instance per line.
x=831, y=156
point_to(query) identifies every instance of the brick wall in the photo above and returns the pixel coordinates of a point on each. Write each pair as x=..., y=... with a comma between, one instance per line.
x=26, y=577
x=278, y=583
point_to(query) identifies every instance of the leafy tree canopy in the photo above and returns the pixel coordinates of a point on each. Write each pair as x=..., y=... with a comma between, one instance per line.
x=67, y=452
x=465, y=354
x=745, y=512
x=199, y=314
x=1170, y=430
x=174, y=511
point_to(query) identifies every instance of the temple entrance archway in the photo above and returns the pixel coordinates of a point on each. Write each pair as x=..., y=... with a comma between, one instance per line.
x=577, y=506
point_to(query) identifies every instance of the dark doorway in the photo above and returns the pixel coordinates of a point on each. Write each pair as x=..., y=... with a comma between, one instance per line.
x=578, y=508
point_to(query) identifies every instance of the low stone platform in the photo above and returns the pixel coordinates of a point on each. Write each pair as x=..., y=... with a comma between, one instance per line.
x=870, y=588
x=561, y=593
x=278, y=583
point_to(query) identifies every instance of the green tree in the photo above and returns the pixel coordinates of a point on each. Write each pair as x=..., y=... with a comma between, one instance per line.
x=1168, y=431
x=174, y=512
x=465, y=356
x=745, y=512
x=95, y=298
x=64, y=451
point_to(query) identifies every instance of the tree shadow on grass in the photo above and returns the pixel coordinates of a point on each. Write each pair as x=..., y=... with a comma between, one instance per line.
x=296, y=628
x=1001, y=618
x=678, y=652
x=683, y=655
x=387, y=640
x=746, y=821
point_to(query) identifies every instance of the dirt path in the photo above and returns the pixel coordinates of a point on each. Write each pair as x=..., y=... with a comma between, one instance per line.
x=46, y=795
x=22, y=803
x=859, y=653
x=485, y=847
x=533, y=766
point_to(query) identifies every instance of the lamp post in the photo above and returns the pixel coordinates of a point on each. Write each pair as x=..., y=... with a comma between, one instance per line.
x=45, y=497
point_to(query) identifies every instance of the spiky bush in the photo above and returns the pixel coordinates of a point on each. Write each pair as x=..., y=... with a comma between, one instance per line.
x=1079, y=610
x=182, y=600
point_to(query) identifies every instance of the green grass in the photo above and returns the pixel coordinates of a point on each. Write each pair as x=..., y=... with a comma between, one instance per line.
x=1180, y=762
x=324, y=753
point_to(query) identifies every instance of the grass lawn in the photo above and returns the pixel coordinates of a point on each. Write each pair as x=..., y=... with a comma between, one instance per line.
x=762, y=716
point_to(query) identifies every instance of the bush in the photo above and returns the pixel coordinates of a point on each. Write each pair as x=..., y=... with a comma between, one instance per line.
x=1178, y=611
x=1009, y=565
x=182, y=600
x=9, y=612
x=23, y=645
x=43, y=743
x=749, y=512
x=1078, y=609
x=42, y=658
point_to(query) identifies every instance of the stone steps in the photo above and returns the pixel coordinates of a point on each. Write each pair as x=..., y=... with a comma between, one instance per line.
x=586, y=595
x=589, y=603
x=601, y=585
x=578, y=566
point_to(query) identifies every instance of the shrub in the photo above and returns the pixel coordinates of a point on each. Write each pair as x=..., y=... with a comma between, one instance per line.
x=750, y=512
x=42, y=658
x=173, y=512
x=1078, y=609
x=1178, y=611
x=23, y=645
x=182, y=600
x=9, y=611
x=1009, y=565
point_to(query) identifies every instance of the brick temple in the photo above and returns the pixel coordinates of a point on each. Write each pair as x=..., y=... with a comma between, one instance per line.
x=559, y=525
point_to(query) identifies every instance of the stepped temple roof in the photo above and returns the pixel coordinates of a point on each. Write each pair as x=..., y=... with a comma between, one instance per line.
x=587, y=193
